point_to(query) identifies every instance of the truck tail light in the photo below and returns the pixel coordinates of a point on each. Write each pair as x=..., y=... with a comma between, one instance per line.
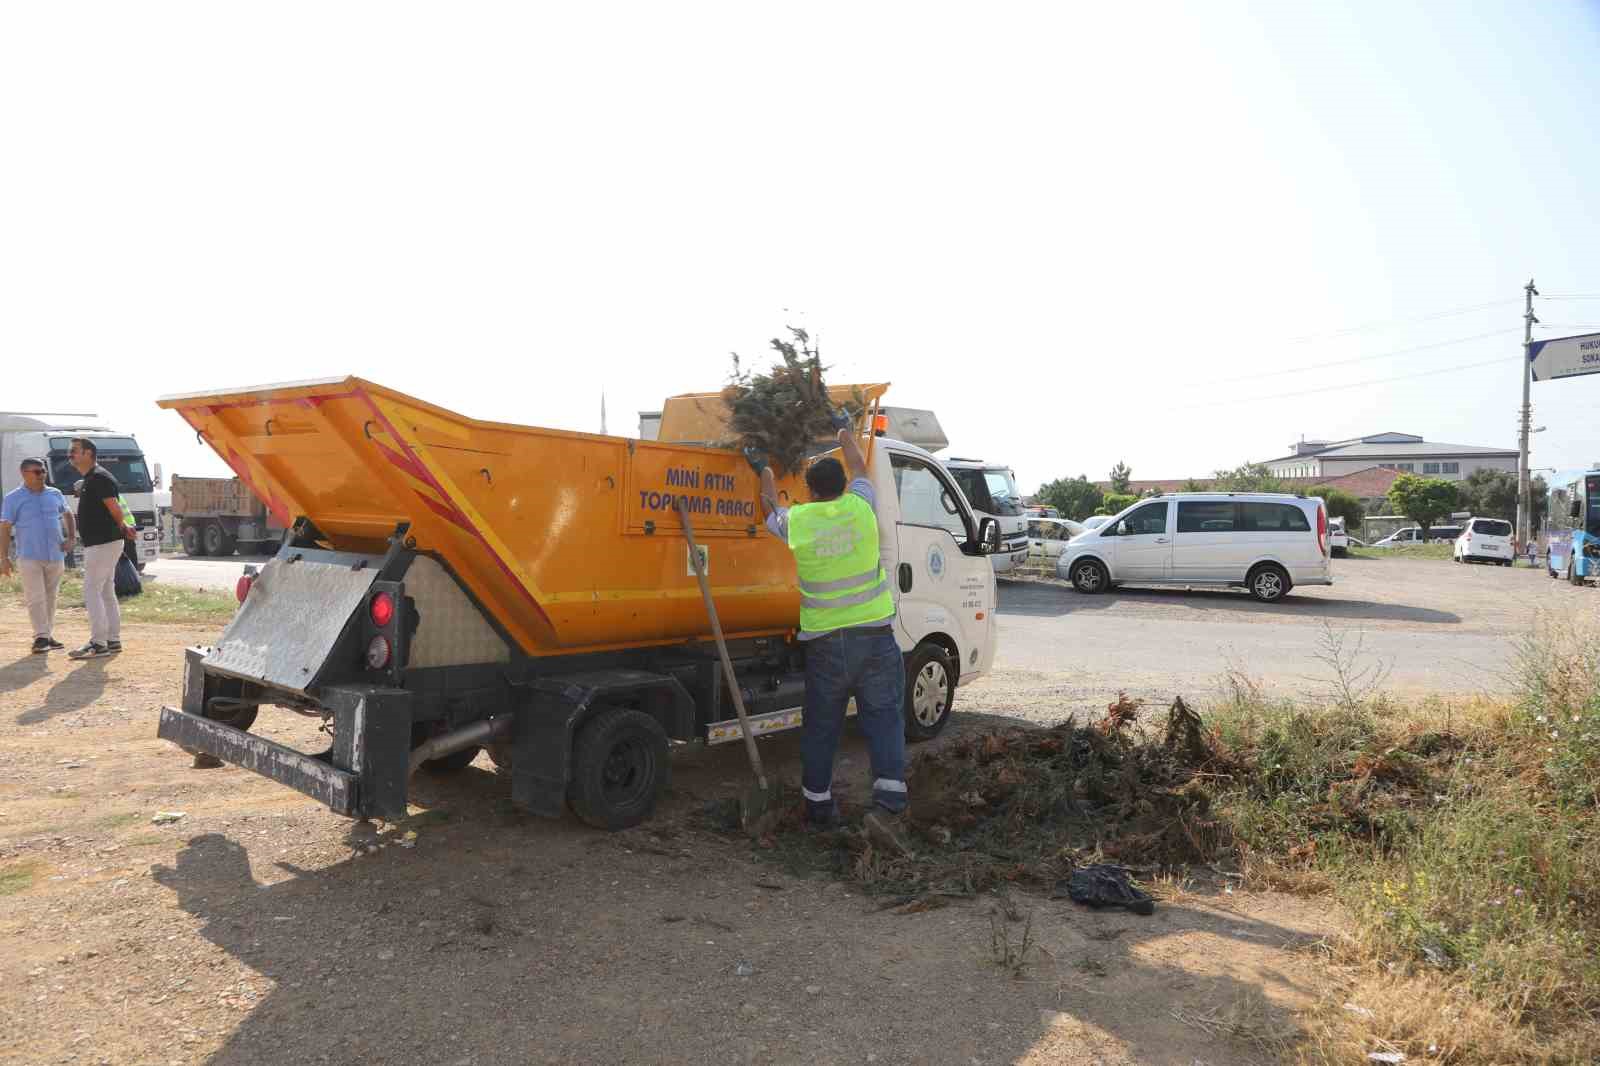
x=379, y=652
x=390, y=617
x=241, y=588
x=381, y=607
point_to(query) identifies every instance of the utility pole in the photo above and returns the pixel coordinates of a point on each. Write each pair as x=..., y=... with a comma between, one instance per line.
x=1525, y=423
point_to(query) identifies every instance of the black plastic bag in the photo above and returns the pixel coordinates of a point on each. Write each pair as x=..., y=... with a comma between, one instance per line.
x=1104, y=885
x=127, y=579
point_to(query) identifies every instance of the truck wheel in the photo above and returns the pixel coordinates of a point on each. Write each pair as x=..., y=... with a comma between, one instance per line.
x=193, y=543
x=214, y=538
x=1268, y=583
x=1089, y=576
x=619, y=768
x=930, y=691
x=445, y=764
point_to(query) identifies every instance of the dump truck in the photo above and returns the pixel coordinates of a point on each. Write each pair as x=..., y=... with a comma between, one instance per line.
x=217, y=515
x=448, y=585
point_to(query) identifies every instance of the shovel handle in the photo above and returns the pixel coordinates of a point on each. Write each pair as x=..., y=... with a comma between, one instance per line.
x=722, y=646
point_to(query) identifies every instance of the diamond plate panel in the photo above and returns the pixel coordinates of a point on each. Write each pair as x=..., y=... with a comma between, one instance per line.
x=292, y=619
x=451, y=631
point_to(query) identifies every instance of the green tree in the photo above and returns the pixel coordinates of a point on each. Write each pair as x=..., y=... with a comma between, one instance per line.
x=1424, y=500
x=1195, y=486
x=1076, y=498
x=1540, y=491
x=1489, y=494
x=1121, y=479
x=1247, y=477
x=1119, y=501
x=1341, y=504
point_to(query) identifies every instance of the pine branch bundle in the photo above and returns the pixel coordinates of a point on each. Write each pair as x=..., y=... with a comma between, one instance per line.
x=784, y=411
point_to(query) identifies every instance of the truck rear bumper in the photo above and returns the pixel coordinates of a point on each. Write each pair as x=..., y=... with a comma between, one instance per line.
x=304, y=773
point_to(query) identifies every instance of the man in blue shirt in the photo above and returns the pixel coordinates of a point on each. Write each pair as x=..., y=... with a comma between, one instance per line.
x=35, y=511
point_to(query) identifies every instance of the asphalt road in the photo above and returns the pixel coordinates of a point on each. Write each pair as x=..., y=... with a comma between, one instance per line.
x=1425, y=625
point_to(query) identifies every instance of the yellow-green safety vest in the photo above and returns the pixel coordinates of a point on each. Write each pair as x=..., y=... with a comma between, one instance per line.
x=835, y=547
x=127, y=512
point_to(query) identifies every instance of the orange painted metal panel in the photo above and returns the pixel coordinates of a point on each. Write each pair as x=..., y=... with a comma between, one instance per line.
x=569, y=539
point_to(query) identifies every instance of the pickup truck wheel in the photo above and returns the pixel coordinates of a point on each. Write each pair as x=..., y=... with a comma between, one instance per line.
x=619, y=768
x=445, y=764
x=1089, y=576
x=930, y=691
x=1268, y=583
x=193, y=543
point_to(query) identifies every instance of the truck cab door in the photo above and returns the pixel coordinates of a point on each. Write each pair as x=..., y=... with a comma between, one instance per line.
x=938, y=588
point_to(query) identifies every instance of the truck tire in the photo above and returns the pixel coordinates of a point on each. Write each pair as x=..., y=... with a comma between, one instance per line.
x=930, y=691
x=193, y=543
x=455, y=762
x=216, y=539
x=619, y=768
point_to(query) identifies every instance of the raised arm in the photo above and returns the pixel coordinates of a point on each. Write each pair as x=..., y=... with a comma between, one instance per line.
x=855, y=464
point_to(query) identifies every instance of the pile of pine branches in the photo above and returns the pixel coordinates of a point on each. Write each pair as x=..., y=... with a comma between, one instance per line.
x=784, y=412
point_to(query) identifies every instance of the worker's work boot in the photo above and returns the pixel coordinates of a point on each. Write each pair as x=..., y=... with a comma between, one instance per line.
x=889, y=831
x=822, y=815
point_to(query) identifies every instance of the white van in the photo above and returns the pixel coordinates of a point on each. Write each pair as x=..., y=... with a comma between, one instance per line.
x=1485, y=540
x=991, y=489
x=1264, y=542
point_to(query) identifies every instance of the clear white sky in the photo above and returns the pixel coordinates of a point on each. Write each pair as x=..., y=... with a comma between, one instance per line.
x=1065, y=227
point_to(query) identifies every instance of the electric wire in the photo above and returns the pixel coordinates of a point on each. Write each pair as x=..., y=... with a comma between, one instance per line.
x=1354, y=384
x=1402, y=321
x=1361, y=358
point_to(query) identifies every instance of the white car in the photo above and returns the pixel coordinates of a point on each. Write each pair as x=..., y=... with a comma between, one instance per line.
x=1264, y=542
x=1338, y=539
x=1486, y=540
x=1047, y=538
x=1413, y=535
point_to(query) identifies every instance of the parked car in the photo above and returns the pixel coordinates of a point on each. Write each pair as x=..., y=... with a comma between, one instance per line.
x=1486, y=540
x=1413, y=535
x=1264, y=542
x=1048, y=537
x=1338, y=539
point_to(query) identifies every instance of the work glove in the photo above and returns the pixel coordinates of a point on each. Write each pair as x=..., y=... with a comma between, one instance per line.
x=756, y=458
x=839, y=419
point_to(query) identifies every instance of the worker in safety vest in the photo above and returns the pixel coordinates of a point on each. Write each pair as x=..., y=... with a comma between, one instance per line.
x=847, y=627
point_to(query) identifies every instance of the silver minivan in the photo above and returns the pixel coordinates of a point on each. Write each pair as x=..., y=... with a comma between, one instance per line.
x=1264, y=542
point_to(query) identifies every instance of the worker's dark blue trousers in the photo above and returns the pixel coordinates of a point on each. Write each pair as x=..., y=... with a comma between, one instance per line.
x=866, y=664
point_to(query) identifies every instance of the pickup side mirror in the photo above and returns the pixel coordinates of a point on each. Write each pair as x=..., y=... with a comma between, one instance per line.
x=989, y=536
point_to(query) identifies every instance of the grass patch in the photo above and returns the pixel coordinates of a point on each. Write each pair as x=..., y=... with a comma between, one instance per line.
x=19, y=877
x=114, y=822
x=1406, y=551
x=163, y=604
x=1465, y=841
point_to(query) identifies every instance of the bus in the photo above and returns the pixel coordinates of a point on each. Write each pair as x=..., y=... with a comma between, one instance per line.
x=1573, y=525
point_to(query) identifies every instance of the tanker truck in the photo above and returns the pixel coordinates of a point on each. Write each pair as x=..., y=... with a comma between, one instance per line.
x=447, y=585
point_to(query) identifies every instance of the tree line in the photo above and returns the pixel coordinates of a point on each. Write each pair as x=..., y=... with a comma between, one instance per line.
x=1424, y=500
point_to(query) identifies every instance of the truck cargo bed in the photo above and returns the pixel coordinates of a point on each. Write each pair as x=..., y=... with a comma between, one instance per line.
x=569, y=540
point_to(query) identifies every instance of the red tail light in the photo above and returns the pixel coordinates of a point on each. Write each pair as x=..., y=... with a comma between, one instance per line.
x=241, y=588
x=1322, y=529
x=381, y=607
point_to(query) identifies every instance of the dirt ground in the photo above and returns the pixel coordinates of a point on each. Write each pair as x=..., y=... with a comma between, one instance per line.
x=259, y=927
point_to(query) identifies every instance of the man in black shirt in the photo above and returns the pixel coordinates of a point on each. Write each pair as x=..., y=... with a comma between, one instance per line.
x=102, y=531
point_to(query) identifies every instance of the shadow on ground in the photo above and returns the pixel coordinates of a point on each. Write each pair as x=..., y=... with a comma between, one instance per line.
x=1040, y=599
x=504, y=939
x=81, y=686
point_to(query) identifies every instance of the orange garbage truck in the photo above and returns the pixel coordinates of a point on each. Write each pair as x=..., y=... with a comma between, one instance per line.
x=447, y=585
